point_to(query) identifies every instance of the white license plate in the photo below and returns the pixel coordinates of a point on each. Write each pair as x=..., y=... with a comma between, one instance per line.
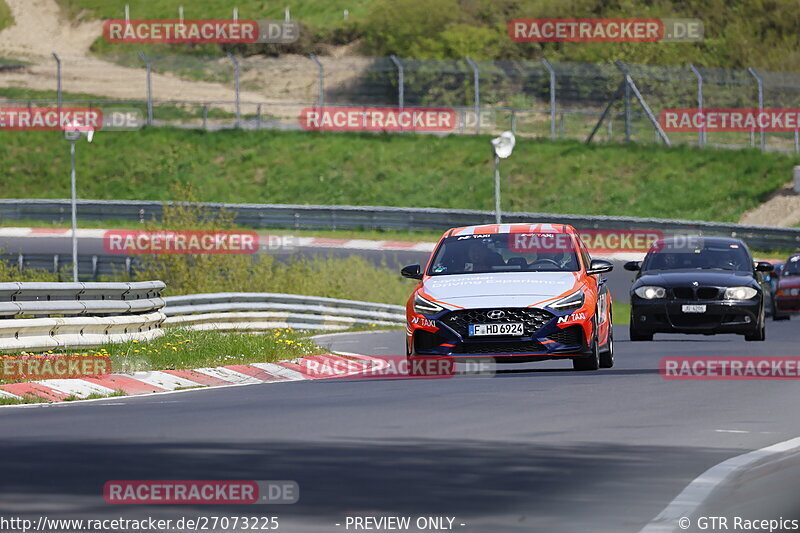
x=694, y=308
x=513, y=328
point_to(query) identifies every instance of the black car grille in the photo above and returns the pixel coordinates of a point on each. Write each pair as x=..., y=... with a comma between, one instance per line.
x=532, y=319
x=571, y=336
x=695, y=293
x=496, y=347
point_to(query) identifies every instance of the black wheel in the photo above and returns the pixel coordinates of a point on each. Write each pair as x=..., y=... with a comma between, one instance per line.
x=607, y=356
x=759, y=334
x=588, y=362
x=638, y=335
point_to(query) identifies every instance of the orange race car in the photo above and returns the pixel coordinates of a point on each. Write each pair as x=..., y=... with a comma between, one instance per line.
x=514, y=292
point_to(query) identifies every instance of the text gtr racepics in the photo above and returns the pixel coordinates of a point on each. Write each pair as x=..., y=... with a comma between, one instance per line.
x=515, y=292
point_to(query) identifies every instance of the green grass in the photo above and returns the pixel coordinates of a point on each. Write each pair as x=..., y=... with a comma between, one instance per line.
x=186, y=349
x=314, y=12
x=161, y=111
x=399, y=170
x=621, y=313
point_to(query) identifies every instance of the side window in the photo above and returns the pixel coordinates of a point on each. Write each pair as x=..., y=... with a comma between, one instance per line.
x=587, y=259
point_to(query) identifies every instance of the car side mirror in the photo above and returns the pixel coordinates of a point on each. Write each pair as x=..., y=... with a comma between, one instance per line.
x=411, y=272
x=600, y=266
x=763, y=266
x=633, y=266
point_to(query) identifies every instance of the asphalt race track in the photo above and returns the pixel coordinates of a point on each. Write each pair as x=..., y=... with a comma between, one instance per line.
x=535, y=447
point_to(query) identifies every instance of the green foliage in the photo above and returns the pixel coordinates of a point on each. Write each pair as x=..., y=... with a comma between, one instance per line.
x=10, y=272
x=738, y=33
x=401, y=170
x=6, y=19
x=352, y=278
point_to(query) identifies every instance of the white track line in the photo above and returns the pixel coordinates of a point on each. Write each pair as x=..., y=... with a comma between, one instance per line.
x=697, y=492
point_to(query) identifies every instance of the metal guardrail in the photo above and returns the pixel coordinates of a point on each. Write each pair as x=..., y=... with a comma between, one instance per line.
x=90, y=267
x=387, y=218
x=263, y=311
x=31, y=298
x=109, y=312
x=36, y=333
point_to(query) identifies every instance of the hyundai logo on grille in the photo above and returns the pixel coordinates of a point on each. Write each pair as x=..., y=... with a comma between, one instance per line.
x=496, y=314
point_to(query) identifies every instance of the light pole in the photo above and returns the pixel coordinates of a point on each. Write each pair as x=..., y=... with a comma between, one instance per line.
x=503, y=146
x=72, y=132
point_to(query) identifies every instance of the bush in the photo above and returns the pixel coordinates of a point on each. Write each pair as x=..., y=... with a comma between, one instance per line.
x=352, y=278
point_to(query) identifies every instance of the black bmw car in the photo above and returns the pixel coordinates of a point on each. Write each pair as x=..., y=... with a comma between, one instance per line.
x=704, y=285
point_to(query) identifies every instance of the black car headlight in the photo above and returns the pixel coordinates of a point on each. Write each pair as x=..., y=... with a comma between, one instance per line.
x=425, y=307
x=571, y=301
x=649, y=292
x=740, y=293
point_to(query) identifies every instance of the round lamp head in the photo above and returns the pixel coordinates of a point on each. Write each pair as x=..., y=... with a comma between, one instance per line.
x=504, y=145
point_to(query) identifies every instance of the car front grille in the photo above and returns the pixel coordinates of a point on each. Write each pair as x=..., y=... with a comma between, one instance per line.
x=696, y=293
x=531, y=318
x=571, y=336
x=497, y=347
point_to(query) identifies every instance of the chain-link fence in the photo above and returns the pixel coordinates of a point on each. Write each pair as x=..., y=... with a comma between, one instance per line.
x=532, y=98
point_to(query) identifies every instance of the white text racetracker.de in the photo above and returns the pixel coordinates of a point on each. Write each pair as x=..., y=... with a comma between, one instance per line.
x=400, y=523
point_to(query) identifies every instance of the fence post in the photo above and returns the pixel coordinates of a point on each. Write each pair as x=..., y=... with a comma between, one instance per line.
x=316, y=60
x=477, y=91
x=552, y=72
x=760, y=83
x=628, y=128
x=236, y=88
x=58, y=84
x=400, y=94
x=631, y=87
x=149, y=88
x=701, y=133
x=205, y=116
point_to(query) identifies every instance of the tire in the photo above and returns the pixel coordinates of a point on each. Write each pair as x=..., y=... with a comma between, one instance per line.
x=607, y=357
x=588, y=362
x=759, y=334
x=638, y=336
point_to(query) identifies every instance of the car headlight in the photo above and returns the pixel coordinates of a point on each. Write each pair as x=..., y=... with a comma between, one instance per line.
x=425, y=307
x=571, y=301
x=788, y=292
x=740, y=293
x=649, y=292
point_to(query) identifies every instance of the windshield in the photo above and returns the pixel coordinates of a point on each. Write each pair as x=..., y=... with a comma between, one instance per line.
x=666, y=256
x=505, y=252
x=792, y=267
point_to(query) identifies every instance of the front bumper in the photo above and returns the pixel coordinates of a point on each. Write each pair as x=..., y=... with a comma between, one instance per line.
x=721, y=316
x=787, y=304
x=446, y=334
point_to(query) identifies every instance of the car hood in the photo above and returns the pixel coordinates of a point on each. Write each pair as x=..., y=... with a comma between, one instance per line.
x=507, y=289
x=684, y=277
